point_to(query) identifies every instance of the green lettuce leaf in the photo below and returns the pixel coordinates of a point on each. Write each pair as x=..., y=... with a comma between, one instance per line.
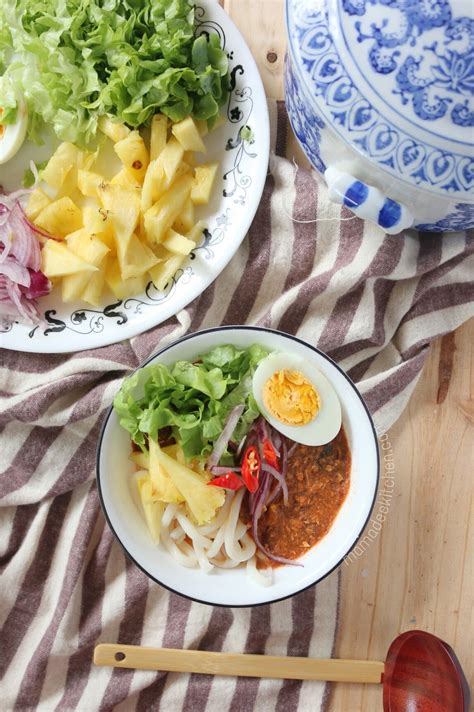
x=194, y=399
x=75, y=60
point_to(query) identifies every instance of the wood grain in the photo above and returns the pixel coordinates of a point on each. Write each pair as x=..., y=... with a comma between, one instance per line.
x=262, y=23
x=418, y=573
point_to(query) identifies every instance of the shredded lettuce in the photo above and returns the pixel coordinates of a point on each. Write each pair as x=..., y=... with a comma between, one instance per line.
x=194, y=399
x=75, y=60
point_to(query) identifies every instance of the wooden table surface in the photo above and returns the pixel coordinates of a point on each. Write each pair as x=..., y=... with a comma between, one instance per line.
x=418, y=573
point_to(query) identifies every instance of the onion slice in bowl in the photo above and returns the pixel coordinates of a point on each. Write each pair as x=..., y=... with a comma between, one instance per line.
x=225, y=436
x=260, y=503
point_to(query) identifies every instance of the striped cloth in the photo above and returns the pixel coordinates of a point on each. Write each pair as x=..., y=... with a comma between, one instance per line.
x=372, y=302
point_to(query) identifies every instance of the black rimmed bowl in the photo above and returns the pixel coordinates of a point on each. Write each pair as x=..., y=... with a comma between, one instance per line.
x=233, y=587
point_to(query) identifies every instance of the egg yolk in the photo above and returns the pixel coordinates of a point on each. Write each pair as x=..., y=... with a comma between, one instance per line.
x=291, y=398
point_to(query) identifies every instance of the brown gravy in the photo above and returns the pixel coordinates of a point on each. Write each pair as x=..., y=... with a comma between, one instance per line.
x=318, y=481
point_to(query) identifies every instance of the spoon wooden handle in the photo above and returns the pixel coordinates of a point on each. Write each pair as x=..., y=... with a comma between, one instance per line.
x=166, y=659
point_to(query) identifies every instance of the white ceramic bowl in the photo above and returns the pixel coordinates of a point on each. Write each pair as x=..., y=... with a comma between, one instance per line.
x=233, y=587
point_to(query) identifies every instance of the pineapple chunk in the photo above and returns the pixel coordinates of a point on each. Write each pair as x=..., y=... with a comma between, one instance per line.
x=202, y=127
x=37, y=202
x=123, y=288
x=159, y=131
x=187, y=134
x=86, y=246
x=203, y=182
x=133, y=154
x=161, y=173
x=195, y=233
x=153, y=509
x=123, y=210
x=185, y=220
x=180, y=245
x=64, y=160
x=190, y=158
x=163, y=214
x=137, y=259
x=60, y=218
x=149, y=192
x=163, y=487
x=182, y=170
x=88, y=183
x=114, y=130
x=72, y=286
x=202, y=501
x=170, y=159
x=58, y=260
x=98, y=223
x=141, y=459
x=126, y=180
x=93, y=251
x=164, y=271
x=93, y=291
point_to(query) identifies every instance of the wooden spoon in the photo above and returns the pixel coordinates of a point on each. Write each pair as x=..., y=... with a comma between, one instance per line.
x=421, y=672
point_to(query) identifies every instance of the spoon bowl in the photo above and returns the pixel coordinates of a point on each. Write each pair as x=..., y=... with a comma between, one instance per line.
x=422, y=673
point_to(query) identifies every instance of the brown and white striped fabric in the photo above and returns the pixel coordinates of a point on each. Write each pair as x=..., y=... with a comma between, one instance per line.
x=372, y=302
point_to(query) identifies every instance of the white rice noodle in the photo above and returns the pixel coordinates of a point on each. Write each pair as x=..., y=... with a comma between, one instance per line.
x=237, y=549
x=264, y=577
x=224, y=543
x=183, y=553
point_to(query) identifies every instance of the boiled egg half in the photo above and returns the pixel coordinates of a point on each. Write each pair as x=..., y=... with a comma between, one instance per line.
x=13, y=135
x=297, y=399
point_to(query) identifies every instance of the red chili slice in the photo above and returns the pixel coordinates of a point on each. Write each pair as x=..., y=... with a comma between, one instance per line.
x=250, y=468
x=229, y=481
x=269, y=453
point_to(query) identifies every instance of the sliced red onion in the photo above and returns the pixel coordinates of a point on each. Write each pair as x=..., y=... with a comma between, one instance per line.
x=292, y=449
x=261, y=499
x=21, y=281
x=37, y=229
x=225, y=436
x=268, y=554
x=262, y=429
x=36, y=176
x=218, y=470
x=25, y=245
x=241, y=445
x=276, y=442
x=279, y=477
x=256, y=516
x=40, y=286
x=277, y=489
x=5, y=244
x=25, y=309
x=258, y=498
x=15, y=271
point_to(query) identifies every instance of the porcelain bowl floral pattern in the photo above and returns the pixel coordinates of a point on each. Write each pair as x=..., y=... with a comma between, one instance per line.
x=380, y=93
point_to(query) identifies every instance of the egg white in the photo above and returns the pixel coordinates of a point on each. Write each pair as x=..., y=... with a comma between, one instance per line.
x=326, y=424
x=14, y=134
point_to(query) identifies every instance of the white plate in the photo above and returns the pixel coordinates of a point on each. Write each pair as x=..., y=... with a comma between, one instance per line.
x=232, y=587
x=243, y=164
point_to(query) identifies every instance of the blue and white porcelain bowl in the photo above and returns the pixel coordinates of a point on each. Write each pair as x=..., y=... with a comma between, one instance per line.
x=380, y=96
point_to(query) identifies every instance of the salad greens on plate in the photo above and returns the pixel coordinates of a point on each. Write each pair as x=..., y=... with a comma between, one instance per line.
x=194, y=399
x=75, y=60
